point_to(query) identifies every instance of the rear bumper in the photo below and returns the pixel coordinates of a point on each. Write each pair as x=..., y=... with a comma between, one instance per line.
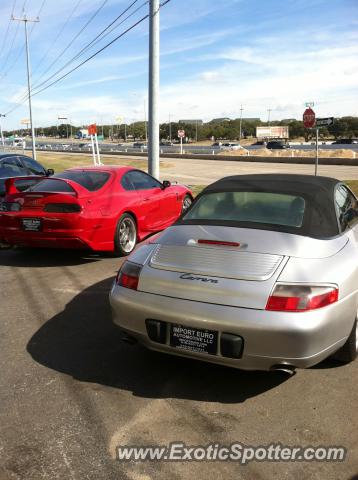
x=270, y=338
x=68, y=230
x=11, y=233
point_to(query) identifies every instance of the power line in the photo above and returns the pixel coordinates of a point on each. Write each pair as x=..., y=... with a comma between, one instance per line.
x=82, y=63
x=93, y=42
x=74, y=38
x=8, y=27
x=97, y=38
x=91, y=57
x=22, y=50
x=38, y=14
x=13, y=40
x=64, y=25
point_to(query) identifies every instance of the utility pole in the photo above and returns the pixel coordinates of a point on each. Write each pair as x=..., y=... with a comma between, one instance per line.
x=26, y=20
x=153, y=146
x=1, y=133
x=268, y=116
x=145, y=121
x=170, y=129
x=240, y=132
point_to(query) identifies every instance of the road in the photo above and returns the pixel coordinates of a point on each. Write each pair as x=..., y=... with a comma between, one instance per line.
x=71, y=391
x=203, y=172
x=67, y=146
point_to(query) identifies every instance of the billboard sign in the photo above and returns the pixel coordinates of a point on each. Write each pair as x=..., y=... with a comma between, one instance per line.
x=272, y=132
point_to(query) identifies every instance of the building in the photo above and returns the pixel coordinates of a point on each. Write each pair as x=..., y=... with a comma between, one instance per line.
x=191, y=122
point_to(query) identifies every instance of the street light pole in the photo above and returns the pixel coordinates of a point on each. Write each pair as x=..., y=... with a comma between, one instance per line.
x=268, y=116
x=26, y=20
x=153, y=146
x=240, y=132
x=170, y=129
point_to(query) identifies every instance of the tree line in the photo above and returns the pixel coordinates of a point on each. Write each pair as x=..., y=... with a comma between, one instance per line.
x=344, y=127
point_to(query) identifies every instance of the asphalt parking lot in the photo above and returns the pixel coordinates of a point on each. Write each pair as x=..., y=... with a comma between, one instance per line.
x=71, y=391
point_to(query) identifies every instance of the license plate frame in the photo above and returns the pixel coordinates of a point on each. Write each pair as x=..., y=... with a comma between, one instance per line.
x=31, y=224
x=195, y=340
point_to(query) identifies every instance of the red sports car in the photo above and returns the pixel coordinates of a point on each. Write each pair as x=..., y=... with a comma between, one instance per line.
x=101, y=208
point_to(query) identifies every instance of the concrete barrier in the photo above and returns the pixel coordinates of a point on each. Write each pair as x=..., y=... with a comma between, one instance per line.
x=196, y=156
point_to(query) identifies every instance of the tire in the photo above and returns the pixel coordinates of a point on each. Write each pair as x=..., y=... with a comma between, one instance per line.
x=125, y=237
x=187, y=201
x=349, y=351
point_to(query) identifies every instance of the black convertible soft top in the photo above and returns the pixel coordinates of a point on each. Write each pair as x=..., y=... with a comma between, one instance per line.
x=320, y=218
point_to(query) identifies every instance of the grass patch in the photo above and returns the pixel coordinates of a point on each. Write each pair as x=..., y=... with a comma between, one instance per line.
x=62, y=161
x=353, y=184
x=196, y=189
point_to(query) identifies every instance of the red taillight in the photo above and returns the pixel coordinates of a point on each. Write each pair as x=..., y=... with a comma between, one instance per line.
x=301, y=298
x=219, y=242
x=128, y=275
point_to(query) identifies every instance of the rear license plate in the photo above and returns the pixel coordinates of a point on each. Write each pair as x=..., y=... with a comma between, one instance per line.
x=31, y=224
x=193, y=339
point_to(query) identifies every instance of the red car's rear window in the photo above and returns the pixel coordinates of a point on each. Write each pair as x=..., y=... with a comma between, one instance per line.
x=90, y=180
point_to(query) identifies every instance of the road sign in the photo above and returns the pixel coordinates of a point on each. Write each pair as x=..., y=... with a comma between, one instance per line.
x=181, y=133
x=25, y=121
x=309, y=118
x=92, y=129
x=324, y=122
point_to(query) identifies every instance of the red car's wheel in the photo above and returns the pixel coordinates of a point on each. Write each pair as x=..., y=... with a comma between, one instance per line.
x=187, y=201
x=125, y=238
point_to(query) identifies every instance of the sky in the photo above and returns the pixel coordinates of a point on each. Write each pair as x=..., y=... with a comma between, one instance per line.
x=215, y=56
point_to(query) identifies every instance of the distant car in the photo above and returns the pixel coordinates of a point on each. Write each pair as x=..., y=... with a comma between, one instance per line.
x=230, y=146
x=277, y=145
x=97, y=208
x=13, y=166
x=140, y=145
x=346, y=141
x=216, y=144
x=166, y=144
x=260, y=273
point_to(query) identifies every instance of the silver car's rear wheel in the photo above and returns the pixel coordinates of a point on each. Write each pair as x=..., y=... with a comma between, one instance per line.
x=126, y=235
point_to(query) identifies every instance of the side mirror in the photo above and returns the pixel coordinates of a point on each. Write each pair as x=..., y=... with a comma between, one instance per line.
x=50, y=171
x=166, y=184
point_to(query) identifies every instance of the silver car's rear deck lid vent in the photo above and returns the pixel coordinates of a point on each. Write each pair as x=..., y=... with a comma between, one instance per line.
x=216, y=262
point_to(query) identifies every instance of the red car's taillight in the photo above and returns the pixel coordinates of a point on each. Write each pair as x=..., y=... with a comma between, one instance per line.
x=301, y=298
x=128, y=275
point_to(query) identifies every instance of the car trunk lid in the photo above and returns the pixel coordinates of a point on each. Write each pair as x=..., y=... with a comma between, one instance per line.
x=242, y=274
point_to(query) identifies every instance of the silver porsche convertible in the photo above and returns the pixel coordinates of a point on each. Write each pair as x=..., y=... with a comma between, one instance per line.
x=261, y=272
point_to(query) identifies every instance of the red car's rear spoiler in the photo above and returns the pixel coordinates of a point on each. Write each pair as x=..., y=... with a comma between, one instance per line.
x=11, y=187
x=10, y=182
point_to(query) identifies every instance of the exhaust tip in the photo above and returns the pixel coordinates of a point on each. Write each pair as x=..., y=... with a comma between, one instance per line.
x=284, y=368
